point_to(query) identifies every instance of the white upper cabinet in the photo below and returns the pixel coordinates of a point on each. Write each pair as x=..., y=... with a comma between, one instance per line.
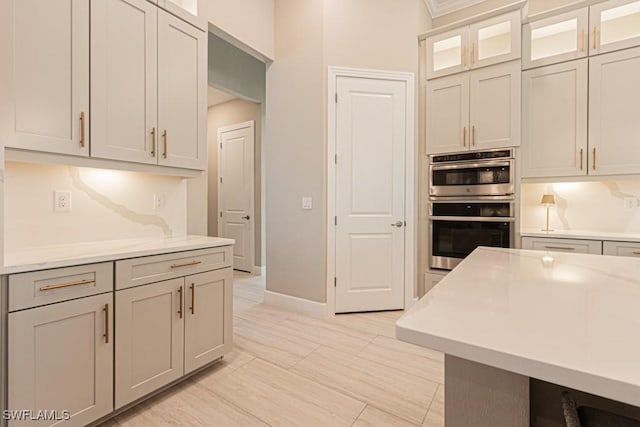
x=481, y=44
x=182, y=92
x=192, y=11
x=124, y=63
x=614, y=106
x=494, y=110
x=615, y=24
x=559, y=38
x=45, y=80
x=495, y=40
x=474, y=111
x=554, y=120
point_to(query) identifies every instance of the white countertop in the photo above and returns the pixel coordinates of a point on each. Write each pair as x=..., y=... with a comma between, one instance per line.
x=570, y=319
x=582, y=234
x=41, y=258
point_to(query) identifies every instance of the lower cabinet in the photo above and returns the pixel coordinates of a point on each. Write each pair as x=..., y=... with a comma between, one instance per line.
x=432, y=278
x=631, y=249
x=168, y=329
x=60, y=358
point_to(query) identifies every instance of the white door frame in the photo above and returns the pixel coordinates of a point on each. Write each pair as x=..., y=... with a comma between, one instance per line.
x=252, y=213
x=410, y=194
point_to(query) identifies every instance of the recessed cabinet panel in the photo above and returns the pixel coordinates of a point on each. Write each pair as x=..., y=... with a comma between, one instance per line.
x=182, y=91
x=495, y=40
x=614, y=103
x=550, y=244
x=447, y=53
x=495, y=106
x=192, y=11
x=448, y=114
x=556, y=39
x=615, y=25
x=208, y=317
x=47, y=76
x=123, y=80
x=61, y=358
x=554, y=114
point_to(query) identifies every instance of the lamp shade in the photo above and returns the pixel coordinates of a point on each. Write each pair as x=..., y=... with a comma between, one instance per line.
x=548, y=199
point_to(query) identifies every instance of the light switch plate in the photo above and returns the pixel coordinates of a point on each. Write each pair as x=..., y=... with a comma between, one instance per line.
x=307, y=203
x=61, y=201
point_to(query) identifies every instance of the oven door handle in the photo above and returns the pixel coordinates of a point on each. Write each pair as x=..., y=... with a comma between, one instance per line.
x=470, y=165
x=473, y=218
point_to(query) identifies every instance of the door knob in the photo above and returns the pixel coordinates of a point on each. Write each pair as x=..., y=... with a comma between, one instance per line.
x=246, y=217
x=397, y=224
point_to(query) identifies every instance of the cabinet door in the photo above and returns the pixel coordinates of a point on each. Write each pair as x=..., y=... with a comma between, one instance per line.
x=149, y=348
x=630, y=249
x=556, y=39
x=614, y=104
x=554, y=120
x=495, y=40
x=61, y=358
x=208, y=322
x=432, y=278
x=447, y=118
x=615, y=24
x=495, y=106
x=123, y=80
x=45, y=80
x=448, y=53
x=577, y=246
x=182, y=92
x=192, y=11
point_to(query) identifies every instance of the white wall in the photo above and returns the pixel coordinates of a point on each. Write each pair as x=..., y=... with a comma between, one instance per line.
x=106, y=205
x=376, y=34
x=247, y=21
x=591, y=206
x=226, y=114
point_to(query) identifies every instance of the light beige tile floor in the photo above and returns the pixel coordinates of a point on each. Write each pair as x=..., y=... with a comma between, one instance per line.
x=292, y=370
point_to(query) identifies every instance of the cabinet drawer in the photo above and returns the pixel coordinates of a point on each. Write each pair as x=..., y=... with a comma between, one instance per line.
x=139, y=271
x=577, y=246
x=621, y=248
x=49, y=286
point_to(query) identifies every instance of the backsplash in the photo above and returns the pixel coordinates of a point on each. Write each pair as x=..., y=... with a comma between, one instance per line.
x=590, y=206
x=106, y=204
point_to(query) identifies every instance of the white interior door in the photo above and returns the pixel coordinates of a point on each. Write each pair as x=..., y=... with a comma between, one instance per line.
x=235, y=191
x=370, y=194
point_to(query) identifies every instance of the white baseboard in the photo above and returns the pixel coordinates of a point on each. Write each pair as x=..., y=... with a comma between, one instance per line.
x=258, y=270
x=298, y=305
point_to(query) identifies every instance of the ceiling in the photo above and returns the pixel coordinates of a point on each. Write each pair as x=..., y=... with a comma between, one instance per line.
x=216, y=96
x=438, y=8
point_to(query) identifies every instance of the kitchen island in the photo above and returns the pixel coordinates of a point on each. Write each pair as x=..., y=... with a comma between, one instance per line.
x=504, y=316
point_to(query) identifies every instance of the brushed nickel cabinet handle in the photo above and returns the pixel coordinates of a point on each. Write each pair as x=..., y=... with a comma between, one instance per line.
x=66, y=285
x=193, y=298
x=82, y=140
x=106, y=323
x=164, y=149
x=153, y=142
x=594, y=158
x=186, y=264
x=562, y=248
x=181, y=301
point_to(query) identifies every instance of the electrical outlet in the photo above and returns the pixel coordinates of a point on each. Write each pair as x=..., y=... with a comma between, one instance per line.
x=62, y=201
x=159, y=202
x=630, y=203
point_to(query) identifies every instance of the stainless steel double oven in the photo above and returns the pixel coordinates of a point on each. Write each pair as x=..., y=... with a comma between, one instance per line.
x=471, y=204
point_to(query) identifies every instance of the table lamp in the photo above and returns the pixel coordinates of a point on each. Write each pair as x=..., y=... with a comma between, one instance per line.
x=547, y=201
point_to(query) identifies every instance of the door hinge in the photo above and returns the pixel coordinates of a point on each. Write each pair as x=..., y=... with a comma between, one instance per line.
x=335, y=282
x=336, y=220
x=336, y=97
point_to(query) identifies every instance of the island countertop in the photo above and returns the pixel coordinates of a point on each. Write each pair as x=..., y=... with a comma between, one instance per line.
x=41, y=258
x=569, y=319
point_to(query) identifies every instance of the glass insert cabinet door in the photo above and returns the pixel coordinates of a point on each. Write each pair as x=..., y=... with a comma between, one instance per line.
x=192, y=11
x=556, y=39
x=614, y=25
x=448, y=53
x=495, y=40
